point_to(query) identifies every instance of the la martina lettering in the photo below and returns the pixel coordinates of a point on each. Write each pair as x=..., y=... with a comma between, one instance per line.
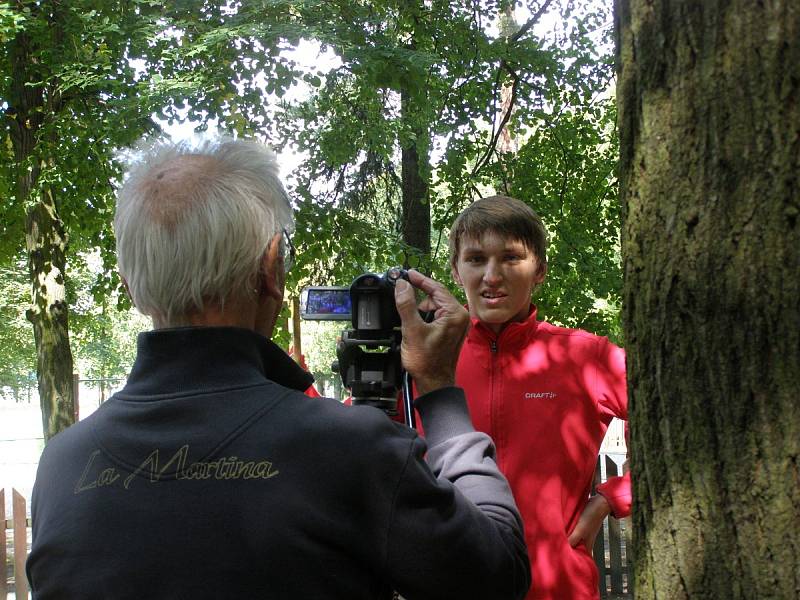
x=222, y=469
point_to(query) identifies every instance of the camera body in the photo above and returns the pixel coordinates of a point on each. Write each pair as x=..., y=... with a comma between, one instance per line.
x=368, y=355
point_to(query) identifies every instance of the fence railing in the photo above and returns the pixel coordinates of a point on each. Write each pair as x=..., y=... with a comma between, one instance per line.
x=13, y=577
x=612, y=545
x=610, y=548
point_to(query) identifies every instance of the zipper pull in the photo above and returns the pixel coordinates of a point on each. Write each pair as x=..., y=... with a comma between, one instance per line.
x=493, y=346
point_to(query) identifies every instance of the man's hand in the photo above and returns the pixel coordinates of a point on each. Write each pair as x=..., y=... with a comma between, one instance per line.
x=430, y=350
x=590, y=522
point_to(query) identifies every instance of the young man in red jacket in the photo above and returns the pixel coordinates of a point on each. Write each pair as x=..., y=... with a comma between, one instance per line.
x=545, y=394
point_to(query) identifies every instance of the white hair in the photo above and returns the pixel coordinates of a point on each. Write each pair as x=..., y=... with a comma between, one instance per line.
x=193, y=221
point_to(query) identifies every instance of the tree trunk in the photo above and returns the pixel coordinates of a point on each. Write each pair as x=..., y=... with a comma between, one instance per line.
x=416, y=217
x=507, y=144
x=46, y=243
x=416, y=208
x=710, y=159
x=297, y=338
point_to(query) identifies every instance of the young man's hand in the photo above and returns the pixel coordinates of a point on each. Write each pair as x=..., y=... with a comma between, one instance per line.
x=430, y=350
x=590, y=522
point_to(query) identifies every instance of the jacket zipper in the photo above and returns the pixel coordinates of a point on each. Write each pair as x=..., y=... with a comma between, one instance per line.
x=493, y=407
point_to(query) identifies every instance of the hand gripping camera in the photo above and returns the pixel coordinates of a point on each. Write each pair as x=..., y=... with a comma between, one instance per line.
x=368, y=355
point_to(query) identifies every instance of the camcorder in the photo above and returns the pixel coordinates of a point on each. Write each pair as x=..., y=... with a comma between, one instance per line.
x=368, y=355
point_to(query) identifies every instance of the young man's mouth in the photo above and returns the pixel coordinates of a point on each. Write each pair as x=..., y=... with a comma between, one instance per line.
x=492, y=298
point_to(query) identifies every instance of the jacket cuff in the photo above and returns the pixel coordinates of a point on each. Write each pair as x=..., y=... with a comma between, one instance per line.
x=444, y=414
x=617, y=491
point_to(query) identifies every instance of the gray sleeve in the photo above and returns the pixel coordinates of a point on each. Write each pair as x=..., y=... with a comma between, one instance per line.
x=456, y=531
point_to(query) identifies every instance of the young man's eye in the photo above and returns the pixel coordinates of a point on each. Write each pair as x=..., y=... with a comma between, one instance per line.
x=474, y=259
x=512, y=257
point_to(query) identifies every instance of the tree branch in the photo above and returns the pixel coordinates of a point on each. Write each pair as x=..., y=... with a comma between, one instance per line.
x=514, y=88
x=496, y=134
x=530, y=22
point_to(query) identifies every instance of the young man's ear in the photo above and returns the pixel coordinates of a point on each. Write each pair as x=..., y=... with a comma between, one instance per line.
x=456, y=276
x=541, y=273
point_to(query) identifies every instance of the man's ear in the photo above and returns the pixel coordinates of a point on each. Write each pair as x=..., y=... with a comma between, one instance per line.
x=270, y=283
x=127, y=290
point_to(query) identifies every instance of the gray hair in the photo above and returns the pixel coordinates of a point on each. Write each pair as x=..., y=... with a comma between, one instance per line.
x=193, y=221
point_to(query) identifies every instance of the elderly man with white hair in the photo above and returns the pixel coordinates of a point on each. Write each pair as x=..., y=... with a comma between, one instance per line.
x=211, y=475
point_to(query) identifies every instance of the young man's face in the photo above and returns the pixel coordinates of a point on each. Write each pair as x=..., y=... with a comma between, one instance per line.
x=498, y=276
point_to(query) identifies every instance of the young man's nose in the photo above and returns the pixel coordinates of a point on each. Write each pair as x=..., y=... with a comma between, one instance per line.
x=493, y=274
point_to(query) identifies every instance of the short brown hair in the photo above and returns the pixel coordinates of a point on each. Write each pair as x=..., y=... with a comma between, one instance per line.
x=508, y=217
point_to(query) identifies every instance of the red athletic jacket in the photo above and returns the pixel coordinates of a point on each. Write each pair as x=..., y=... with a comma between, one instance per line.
x=546, y=395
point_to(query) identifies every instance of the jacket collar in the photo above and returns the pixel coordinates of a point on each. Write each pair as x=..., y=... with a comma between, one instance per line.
x=197, y=359
x=513, y=333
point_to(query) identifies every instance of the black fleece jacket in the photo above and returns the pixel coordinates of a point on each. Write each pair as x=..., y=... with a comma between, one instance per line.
x=211, y=475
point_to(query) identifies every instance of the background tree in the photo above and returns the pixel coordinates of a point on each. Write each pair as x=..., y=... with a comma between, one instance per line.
x=422, y=80
x=565, y=169
x=81, y=80
x=710, y=150
x=359, y=123
x=66, y=76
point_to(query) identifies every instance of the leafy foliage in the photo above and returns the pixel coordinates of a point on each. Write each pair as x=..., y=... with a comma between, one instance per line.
x=429, y=73
x=353, y=126
x=18, y=364
x=575, y=194
x=111, y=68
x=103, y=337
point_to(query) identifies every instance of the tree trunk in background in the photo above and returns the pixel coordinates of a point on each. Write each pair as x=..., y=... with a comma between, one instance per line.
x=709, y=120
x=46, y=244
x=297, y=339
x=416, y=208
x=507, y=144
x=415, y=165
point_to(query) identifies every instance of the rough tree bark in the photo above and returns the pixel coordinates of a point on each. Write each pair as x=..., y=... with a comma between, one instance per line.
x=709, y=109
x=46, y=241
x=416, y=208
x=415, y=165
x=416, y=223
